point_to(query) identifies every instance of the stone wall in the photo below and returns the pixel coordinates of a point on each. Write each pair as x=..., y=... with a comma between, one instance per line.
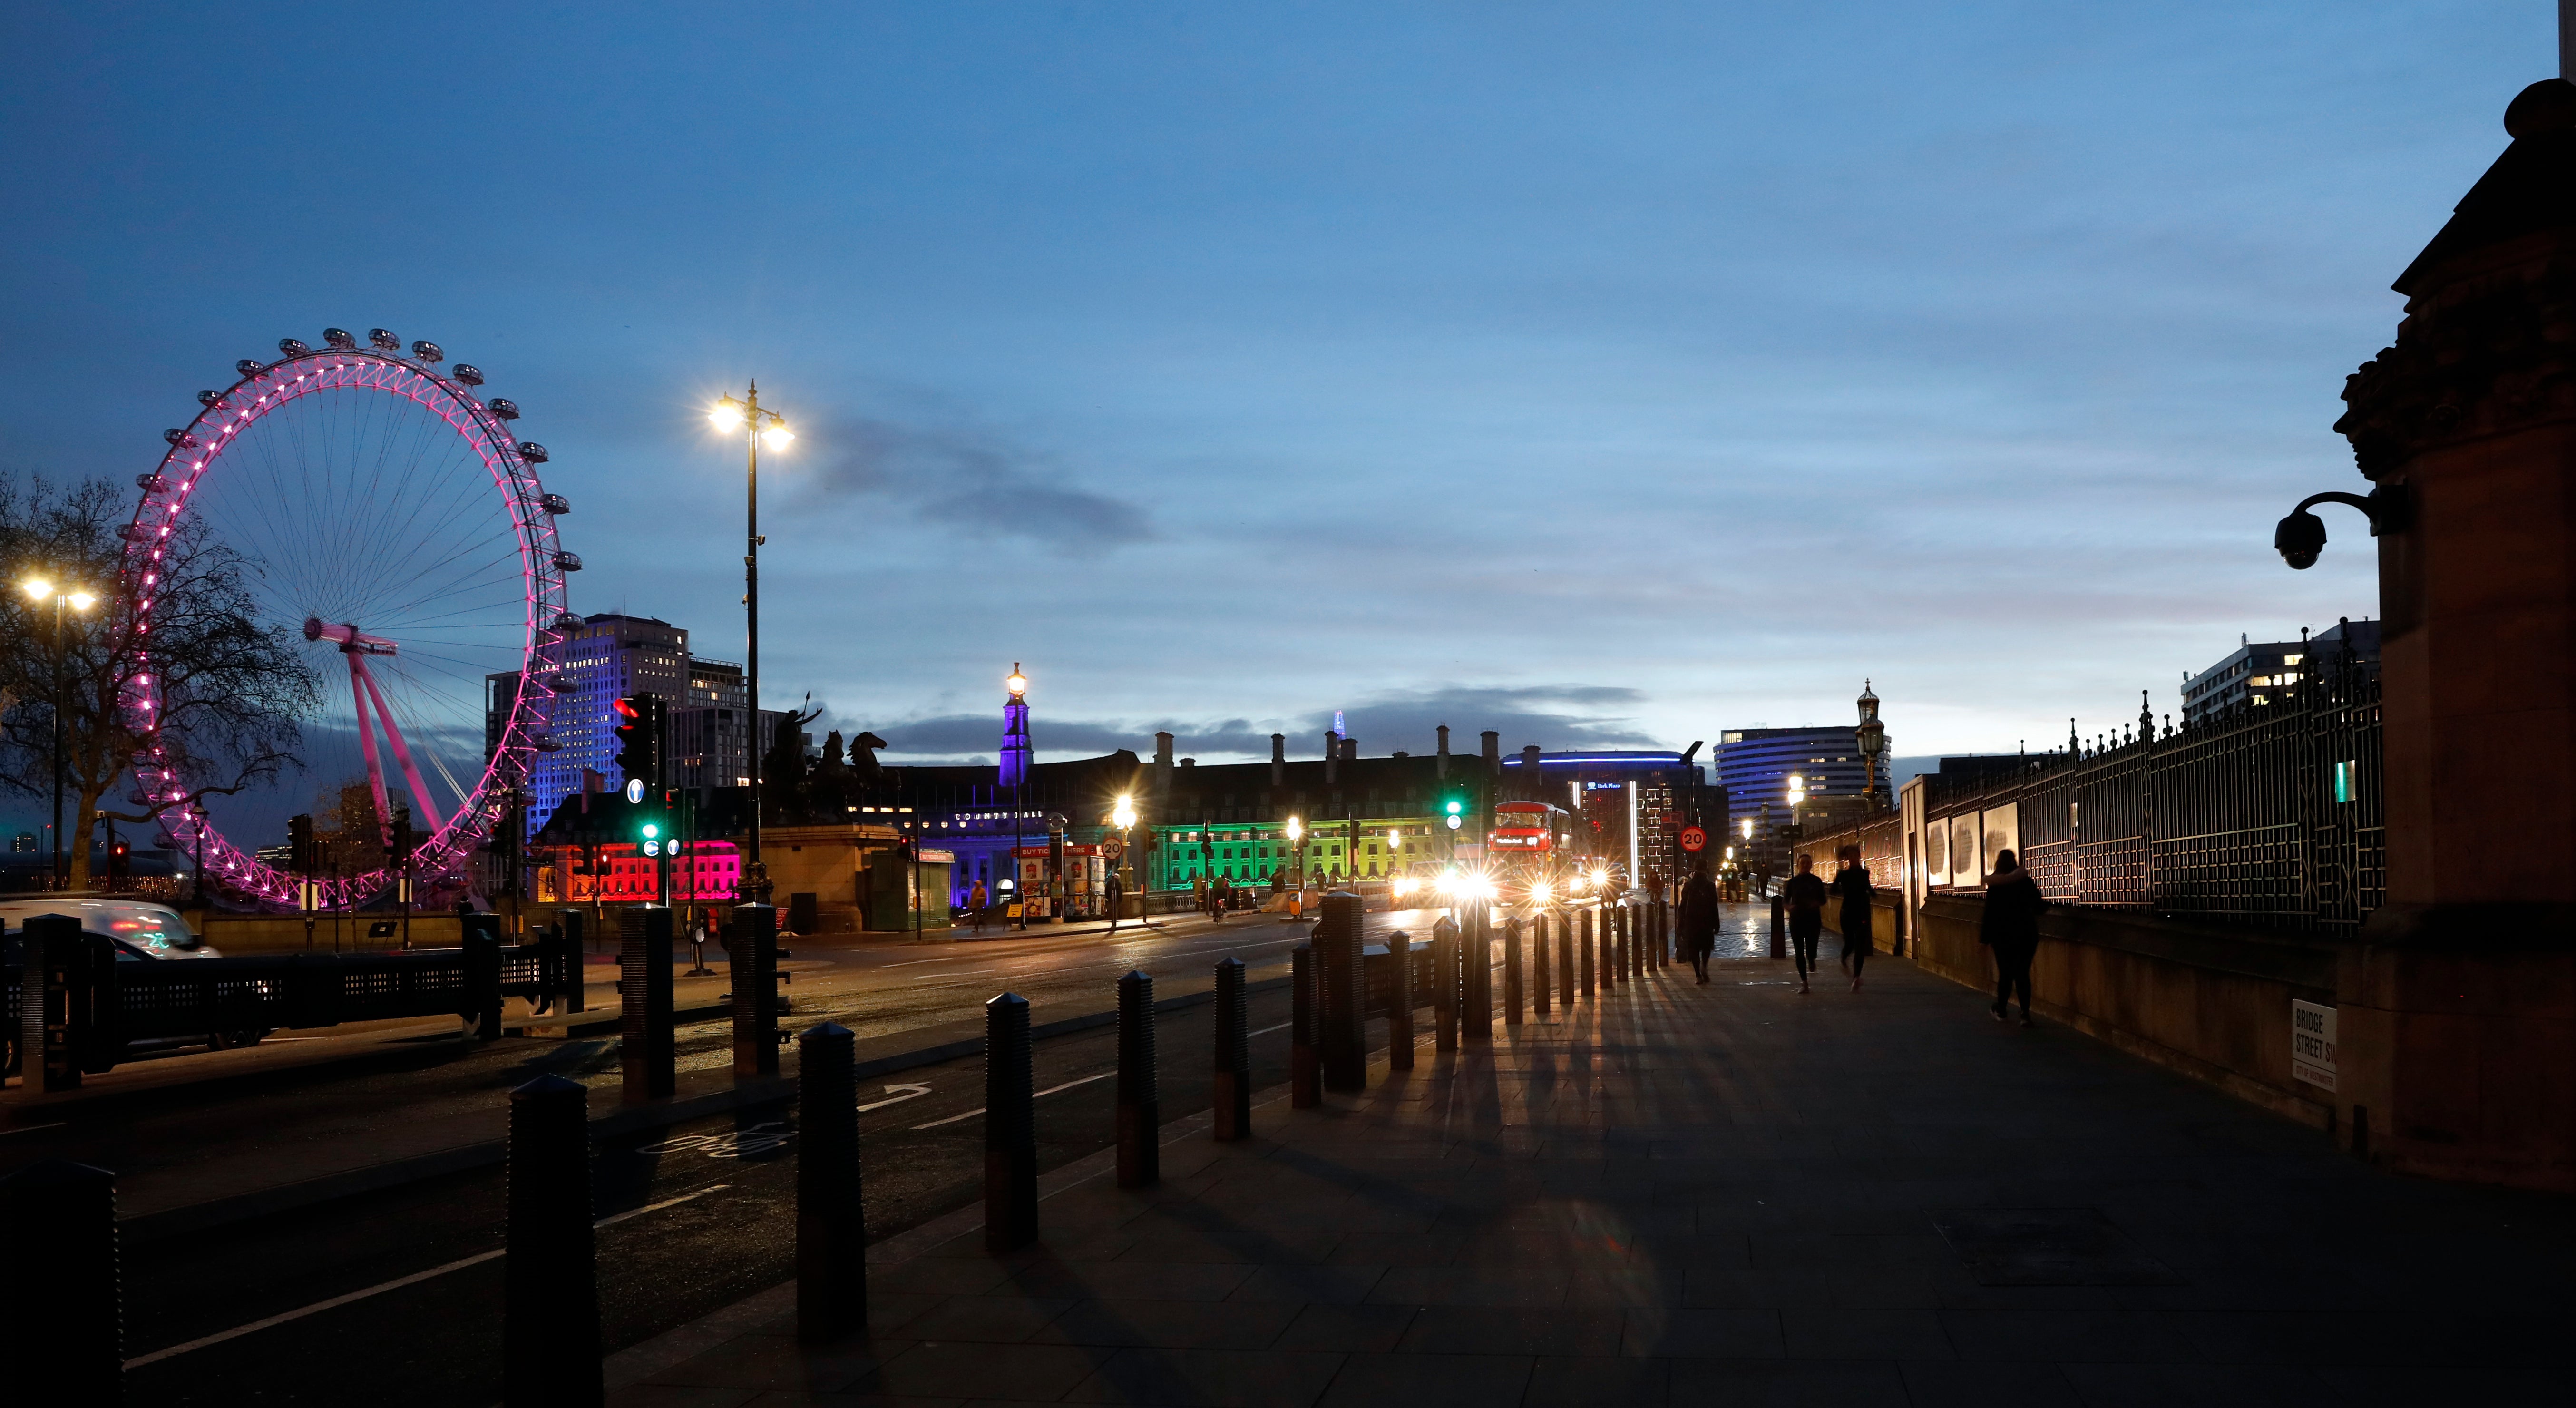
x=2211, y=1003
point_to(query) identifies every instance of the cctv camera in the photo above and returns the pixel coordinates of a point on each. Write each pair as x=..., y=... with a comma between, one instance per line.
x=2299, y=539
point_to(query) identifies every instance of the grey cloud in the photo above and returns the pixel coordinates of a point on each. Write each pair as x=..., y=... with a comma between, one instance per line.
x=976, y=484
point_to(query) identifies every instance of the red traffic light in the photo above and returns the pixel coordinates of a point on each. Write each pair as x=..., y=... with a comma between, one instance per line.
x=627, y=708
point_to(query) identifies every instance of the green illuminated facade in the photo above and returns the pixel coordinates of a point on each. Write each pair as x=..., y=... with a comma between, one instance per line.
x=1248, y=853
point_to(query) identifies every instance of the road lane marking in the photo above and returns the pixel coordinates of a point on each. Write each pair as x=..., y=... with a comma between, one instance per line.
x=1050, y=1090
x=911, y=1092
x=380, y=1288
x=30, y=1129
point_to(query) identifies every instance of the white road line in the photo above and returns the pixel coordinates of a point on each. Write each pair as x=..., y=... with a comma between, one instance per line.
x=1050, y=1090
x=380, y=1288
x=30, y=1129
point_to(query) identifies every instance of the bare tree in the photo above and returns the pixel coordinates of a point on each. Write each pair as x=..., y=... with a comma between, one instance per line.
x=231, y=688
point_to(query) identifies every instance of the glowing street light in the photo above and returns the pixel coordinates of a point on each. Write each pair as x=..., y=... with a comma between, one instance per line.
x=41, y=589
x=759, y=424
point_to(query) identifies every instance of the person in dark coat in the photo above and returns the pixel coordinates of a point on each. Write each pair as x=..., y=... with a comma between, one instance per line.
x=1696, y=922
x=1851, y=883
x=2011, y=929
x=1806, y=902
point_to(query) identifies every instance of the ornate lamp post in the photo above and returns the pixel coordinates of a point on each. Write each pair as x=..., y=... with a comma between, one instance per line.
x=1124, y=818
x=1873, y=742
x=1015, y=771
x=757, y=424
x=39, y=589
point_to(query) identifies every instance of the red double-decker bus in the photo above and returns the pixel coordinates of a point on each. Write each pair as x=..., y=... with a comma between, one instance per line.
x=1528, y=843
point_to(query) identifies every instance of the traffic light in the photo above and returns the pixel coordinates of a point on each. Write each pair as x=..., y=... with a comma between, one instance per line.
x=300, y=855
x=404, y=841
x=116, y=853
x=1455, y=811
x=639, y=738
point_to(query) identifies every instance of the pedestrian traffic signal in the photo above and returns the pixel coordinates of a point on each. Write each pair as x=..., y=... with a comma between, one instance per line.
x=639, y=738
x=300, y=856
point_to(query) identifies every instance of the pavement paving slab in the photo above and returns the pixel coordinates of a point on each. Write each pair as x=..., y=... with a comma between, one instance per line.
x=1722, y=1194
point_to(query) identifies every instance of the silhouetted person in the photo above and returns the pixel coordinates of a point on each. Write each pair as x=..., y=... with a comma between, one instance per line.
x=1695, y=923
x=2011, y=929
x=1852, y=883
x=1805, y=897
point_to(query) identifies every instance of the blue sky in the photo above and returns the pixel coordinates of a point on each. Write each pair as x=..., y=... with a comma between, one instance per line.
x=1597, y=373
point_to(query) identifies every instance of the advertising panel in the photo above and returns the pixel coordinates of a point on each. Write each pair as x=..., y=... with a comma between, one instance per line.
x=1963, y=851
x=1936, y=851
x=2002, y=827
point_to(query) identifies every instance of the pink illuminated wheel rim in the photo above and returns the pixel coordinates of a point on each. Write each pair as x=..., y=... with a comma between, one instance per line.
x=403, y=542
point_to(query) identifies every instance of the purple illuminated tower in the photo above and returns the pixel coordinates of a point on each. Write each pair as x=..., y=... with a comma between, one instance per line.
x=1015, y=730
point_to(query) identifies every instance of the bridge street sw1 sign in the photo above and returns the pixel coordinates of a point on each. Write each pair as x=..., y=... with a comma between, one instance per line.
x=2312, y=1043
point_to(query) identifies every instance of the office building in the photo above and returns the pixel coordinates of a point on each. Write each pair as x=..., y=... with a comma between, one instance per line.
x=2257, y=672
x=1754, y=766
x=607, y=657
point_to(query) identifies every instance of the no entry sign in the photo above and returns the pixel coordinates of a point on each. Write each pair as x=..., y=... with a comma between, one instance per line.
x=1693, y=838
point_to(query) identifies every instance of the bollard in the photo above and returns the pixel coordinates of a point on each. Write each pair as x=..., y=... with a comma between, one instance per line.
x=1514, y=997
x=1010, y=1127
x=1614, y=953
x=1399, y=1001
x=646, y=1052
x=1341, y=996
x=63, y=1341
x=568, y=938
x=1654, y=936
x=1779, y=927
x=1476, y=992
x=1583, y=947
x=1564, y=927
x=550, y=1280
x=831, y=1221
x=1140, y=1101
x=57, y=1009
x=1444, y=984
x=1231, y=1101
x=751, y=948
x=1539, y=1005
x=1305, y=1079
x=482, y=944
x=1632, y=923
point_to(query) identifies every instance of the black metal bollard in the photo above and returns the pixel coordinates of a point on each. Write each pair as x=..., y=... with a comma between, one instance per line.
x=1010, y=1127
x=1399, y=1001
x=751, y=948
x=1305, y=1079
x=1444, y=984
x=482, y=944
x=1232, y=1096
x=1583, y=949
x=1515, y=998
x=831, y=1219
x=1632, y=923
x=57, y=1006
x=1539, y=970
x=64, y=1340
x=1564, y=927
x=1476, y=993
x=1779, y=927
x=550, y=1281
x=568, y=938
x=647, y=1054
x=1341, y=1005
x=1614, y=964
x=1140, y=1101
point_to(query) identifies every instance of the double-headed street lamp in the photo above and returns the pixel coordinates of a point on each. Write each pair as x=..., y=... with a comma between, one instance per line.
x=1123, y=816
x=757, y=425
x=39, y=589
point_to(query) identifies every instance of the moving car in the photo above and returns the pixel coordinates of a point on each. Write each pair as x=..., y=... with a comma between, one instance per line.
x=142, y=931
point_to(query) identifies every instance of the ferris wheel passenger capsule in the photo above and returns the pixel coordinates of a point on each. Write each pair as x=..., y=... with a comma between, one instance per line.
x=504, y=408
x=340, y=339
x=469, y=373
x=210, y=399
x=292, y=348
x=532, y=452
x=384, y=341
x=555, y=503
x=568, y=561
x=180, y=438
x=568, y=621
x=429, y=352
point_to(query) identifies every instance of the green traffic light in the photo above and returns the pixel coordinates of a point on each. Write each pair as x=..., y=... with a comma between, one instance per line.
x=651, y=831
x=1456, y=807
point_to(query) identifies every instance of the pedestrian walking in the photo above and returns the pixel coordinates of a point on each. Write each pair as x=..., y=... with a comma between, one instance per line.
x=1217, y=897
x=1852, y=883
x=1805, y=895
x=2011, y=928
x=1696, y=922
x=1117, y=899
x=975, y=905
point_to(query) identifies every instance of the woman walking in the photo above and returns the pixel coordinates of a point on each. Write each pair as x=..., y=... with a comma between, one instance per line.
x=1696, y=923
x=1806, y=897
x=2011, y=929
x=1852, y=883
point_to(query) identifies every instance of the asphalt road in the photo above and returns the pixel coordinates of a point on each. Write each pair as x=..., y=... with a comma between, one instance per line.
x=696, y=1217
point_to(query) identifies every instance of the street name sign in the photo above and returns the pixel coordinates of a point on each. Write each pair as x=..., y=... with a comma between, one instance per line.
x=2312, y=1043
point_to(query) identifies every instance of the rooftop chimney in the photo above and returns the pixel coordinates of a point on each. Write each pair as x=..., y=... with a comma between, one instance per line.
x=1350, y=750
x=1444, y=750
x=1332, y=756
x=1278, y=759
x=1529, y=770
x=1493, y=753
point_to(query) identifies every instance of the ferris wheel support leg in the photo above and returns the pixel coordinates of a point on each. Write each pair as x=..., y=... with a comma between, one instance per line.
x=402, y=757
x=360, y=687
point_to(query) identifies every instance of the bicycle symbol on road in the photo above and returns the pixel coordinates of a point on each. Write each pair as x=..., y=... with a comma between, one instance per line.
x=739, y=1144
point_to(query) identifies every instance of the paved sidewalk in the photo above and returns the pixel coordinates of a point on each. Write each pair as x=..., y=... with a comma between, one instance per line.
x=1722, y=1194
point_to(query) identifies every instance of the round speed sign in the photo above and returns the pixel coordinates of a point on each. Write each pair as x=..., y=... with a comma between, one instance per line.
x=1693, y=838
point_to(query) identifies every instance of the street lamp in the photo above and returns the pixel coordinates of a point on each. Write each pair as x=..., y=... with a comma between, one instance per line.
x=1124, y=816
x=756, y=425
x=1873, y=741
x=39, y=589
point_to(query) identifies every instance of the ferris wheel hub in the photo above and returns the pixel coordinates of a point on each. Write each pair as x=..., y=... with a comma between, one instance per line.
x=350, y=639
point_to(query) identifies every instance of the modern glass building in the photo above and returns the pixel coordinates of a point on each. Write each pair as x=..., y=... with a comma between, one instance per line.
x=1754, y=765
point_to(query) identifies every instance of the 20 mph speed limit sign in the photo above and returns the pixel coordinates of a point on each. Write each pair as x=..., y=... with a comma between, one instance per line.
x=1693, y=838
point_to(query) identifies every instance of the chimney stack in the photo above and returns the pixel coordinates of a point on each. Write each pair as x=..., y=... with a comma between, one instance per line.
x=1350, y=750
x=1493, y=753
x=1444, y=750
x=1529, y=771
x=1332, y=756
x=1278, y=759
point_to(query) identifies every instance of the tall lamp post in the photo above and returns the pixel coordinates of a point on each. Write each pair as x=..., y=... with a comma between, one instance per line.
x=1873, y=742
x=1015, y=771
x=1124, y=818
x=1296, y=830
x=1797, y=831
x=756, y=425
x=39, y=589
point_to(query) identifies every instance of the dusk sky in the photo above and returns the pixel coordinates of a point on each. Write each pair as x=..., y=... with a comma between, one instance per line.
x=1600, y=374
